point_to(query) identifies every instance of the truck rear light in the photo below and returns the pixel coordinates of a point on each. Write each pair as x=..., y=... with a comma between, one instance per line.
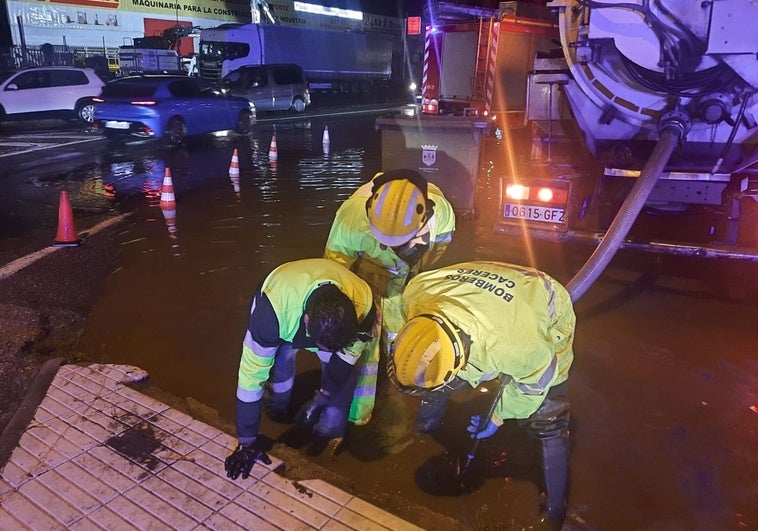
x=430, y=106
x=536, y=194
x=517, y=192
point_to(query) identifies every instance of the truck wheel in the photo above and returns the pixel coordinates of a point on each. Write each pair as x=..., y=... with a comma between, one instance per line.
x=174, y=133
x=244, y=123
x=85, y=111
x=298, y=105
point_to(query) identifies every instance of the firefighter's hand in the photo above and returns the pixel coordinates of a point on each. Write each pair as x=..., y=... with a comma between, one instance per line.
x=478, y=431
x=242, y=459
x=309, y=413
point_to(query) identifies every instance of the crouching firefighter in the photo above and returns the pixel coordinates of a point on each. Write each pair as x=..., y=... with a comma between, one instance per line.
x=316, y=305
x=469, y=323
x=389, y=230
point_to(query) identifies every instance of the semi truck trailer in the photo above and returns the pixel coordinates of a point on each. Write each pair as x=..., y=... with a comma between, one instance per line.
x=342, y=61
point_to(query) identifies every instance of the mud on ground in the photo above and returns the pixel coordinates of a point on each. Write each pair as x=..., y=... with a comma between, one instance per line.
x=43, y=308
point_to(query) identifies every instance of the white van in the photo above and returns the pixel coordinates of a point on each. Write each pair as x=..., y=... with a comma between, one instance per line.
x=274, y=87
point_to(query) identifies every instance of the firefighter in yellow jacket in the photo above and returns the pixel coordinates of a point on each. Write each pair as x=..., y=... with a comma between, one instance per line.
x=477, y=321
x=316, y=305
x=391, y=228
x=388, y=230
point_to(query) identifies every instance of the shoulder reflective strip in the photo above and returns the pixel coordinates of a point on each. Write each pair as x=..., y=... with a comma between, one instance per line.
x=249, y=396
x=546, y=282
x=539, y=387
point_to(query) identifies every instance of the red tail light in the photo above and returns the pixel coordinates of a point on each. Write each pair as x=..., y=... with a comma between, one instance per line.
x=538, y=194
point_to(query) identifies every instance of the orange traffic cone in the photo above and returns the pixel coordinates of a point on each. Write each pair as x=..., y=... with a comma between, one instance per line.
x=272, y=154
x=234, y=168
x=66, y=236
x=168, y=201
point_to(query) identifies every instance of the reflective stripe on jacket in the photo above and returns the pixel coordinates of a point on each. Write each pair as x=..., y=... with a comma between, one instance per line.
x=520, y=321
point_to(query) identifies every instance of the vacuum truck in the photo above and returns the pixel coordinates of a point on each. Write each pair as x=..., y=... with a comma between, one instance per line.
x=639, y=131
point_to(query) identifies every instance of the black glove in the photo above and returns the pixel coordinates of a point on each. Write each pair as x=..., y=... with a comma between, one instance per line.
x=310, y=412
x=242, y=459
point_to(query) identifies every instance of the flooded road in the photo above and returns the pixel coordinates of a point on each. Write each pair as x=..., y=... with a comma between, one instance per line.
x=664, y=387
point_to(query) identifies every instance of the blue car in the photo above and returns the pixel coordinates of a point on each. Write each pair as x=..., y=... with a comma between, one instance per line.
x=169, y=107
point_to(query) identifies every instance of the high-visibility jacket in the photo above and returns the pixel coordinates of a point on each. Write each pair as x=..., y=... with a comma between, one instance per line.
x=276, y=317
x=352, y=243
x=520, y=322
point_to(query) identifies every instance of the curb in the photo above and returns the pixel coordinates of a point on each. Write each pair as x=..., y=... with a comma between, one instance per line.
x=25, y=413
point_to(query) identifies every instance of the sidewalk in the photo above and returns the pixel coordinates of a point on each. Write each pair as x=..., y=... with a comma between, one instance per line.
x=100, y=455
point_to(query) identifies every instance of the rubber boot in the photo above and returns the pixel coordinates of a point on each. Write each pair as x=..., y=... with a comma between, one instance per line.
x=555, y=453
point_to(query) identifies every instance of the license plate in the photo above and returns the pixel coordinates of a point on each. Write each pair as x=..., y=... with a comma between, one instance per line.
x=111, y=124
x=534, y=213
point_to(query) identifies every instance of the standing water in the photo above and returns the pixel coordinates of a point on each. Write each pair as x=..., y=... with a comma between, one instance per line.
x=663, y=411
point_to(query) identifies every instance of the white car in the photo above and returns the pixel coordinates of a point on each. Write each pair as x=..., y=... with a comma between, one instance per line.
x=48, y=90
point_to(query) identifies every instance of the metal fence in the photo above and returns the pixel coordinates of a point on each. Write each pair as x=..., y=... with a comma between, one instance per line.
x=103, y=60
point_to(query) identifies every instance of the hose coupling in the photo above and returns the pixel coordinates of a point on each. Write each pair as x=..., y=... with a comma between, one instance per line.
x=676, y=120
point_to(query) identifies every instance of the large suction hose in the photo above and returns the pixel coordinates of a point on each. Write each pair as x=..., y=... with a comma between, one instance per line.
x=622, y=223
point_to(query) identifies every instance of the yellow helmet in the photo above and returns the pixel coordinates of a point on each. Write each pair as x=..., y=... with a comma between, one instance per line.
x=397, y=208
x=427, y=354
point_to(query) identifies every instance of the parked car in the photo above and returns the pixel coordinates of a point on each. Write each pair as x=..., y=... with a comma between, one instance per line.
x=49, y=90
x=272, y=87
x=169, y=107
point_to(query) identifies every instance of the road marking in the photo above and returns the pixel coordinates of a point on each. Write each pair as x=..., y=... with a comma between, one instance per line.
x=39, y=147
x=20, y=263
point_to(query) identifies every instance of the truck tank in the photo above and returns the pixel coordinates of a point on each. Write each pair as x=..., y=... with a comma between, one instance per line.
x=648, y=108
x=635, y=63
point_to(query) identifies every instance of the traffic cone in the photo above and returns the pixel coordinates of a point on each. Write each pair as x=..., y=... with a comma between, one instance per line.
x=325, y=138
x=168, y=201
x=66, y=236
x=234, y=168
x=272, y=154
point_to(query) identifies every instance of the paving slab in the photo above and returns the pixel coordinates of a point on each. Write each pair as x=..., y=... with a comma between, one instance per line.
x=98, y=454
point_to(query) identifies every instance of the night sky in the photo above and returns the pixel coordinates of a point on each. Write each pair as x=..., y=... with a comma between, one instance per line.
x=390, y=8
x=400, y=8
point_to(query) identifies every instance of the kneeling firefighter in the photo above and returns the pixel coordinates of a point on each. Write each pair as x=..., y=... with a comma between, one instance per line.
x=469, y=323
x=315, y=305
